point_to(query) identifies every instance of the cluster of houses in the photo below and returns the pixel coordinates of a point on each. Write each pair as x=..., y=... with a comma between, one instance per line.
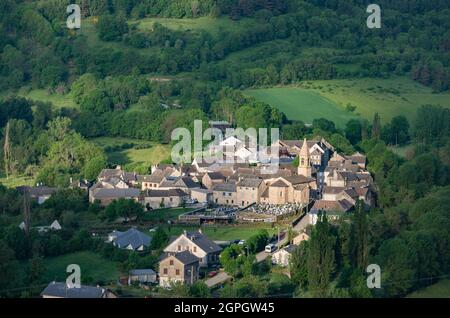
x=324, y=178
x=182, y=259
x=332, y=181
x=180, y=263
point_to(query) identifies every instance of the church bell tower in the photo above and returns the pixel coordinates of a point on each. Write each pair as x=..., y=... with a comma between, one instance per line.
x=304, y=161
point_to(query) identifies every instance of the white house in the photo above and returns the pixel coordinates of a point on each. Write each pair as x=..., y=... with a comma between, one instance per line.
x=282, y=256
x=198, y=244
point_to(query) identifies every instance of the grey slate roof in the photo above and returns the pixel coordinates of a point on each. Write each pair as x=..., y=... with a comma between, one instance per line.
x=225, y=187
x=296, y=179
x=332, y=190
x=279, y=184
x=132, y=237
x=116, y=193
x=216, y=176
x=201, y=190
x=290, y=248
x=186, y=257
x=55, y=289
x=203, y=242
x=250, y=182
x=138, y=272
x=165, y=193
x=186, y=182
x=37, y=191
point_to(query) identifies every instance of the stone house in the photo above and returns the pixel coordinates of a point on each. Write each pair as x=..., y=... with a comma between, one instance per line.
x=198, y=244
x=180, y=267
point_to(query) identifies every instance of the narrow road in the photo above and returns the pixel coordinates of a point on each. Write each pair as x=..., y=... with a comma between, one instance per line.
x=304, y=222
x=261, y=256
x=220, y=278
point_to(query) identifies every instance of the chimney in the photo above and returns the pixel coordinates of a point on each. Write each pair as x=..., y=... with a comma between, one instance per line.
x=184, y=232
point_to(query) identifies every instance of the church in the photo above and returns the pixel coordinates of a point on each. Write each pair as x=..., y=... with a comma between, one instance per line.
x=295, y=188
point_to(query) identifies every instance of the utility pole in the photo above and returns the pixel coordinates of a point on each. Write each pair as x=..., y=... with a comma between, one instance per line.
x=7, y=151
x=278, y=244
x=26, y=212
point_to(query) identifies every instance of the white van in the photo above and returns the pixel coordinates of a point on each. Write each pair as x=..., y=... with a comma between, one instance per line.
x=270, y=248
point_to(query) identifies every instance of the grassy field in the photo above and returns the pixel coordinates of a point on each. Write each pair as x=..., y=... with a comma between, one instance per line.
x=13, y=182
x=301, y=104
x=439, y=290
x=93, y=267
x=223, y=232
x=388, y=97
x=42, y=95
x=208, y=24
x=132, y=156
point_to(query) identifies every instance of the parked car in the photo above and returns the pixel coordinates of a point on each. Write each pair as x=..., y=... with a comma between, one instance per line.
x=241, y=242
x=270, y=248
x=212, y=274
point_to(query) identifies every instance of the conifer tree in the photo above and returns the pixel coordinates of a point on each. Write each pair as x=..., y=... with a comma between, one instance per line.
x=321, y=257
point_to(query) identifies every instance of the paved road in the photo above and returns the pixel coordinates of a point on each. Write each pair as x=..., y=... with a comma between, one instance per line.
x=302, y=224
x=220, y=278
x=263, y=255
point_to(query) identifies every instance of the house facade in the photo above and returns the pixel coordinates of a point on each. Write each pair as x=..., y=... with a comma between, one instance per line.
x=198, y=244
x=249, y=191
x=225, y=194
x=172, y=198
x=180, y=267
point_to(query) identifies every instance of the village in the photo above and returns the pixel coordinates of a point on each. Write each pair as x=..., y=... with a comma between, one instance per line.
x=222, y=194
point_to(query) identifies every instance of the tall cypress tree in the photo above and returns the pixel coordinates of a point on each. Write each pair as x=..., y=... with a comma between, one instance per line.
x=321, y=258
x=7, y=151
x=359, y=241
x=376, y=126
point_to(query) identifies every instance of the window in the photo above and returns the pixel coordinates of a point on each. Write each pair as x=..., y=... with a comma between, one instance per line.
x=177, y=272
x=195, y=249
x=165, y=271
x=179, y=248
x=171, y=199
x=171, y=262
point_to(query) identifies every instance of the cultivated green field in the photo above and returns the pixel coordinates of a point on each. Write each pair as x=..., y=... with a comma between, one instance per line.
x=132, y=157
x=93, y=267
x=439, y=290
x=389, y=97
x=302, y=104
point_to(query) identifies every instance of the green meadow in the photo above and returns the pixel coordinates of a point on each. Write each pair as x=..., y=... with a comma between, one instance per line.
x=439, y=290
x=222, y=233
x=43, y=95
x=132, y=153
x=208, y=24
x=302, y=104
x=94, y=268
x=329, y=98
